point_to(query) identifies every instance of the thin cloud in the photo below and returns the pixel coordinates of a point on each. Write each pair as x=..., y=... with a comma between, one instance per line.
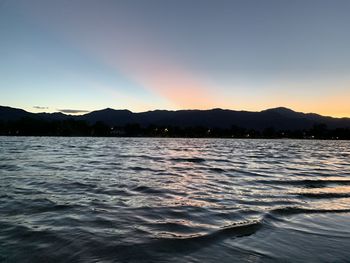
x=71, y=111
x=40, y=108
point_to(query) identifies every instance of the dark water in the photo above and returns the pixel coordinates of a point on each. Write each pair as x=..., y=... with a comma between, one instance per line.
x=174, y=200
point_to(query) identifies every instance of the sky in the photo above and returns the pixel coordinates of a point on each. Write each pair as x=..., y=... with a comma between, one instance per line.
x=83, y=55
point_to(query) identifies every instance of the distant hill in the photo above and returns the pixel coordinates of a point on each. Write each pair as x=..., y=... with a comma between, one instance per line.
x=278, y=118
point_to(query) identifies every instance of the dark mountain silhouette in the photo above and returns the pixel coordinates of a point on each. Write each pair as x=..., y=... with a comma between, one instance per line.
x=109, y=116
x=9, y=114
x=54, y=116
x=276, y=118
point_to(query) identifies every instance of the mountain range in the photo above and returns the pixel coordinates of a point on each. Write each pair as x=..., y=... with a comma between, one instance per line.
x=279, y=118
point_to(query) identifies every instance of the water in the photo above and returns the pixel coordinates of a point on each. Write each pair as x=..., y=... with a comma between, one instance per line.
x=173, y=200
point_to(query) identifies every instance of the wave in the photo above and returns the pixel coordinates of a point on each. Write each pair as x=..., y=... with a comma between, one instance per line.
x=173, y=244
x=325, y=195
x=307, y=182
x=285, y=211
x=10, y=167
x=233, y=230
x=190, y=160
x=146, y=169
x=148, y=190
x=246, y=228
x=216, y=170
x=142, y=156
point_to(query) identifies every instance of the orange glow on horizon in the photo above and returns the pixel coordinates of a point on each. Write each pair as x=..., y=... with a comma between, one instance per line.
x=135, y=52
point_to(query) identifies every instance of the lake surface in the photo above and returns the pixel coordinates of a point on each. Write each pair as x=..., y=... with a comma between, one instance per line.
x=173, y=200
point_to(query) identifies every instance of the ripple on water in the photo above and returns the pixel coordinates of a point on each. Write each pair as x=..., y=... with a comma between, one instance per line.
x=142, y=199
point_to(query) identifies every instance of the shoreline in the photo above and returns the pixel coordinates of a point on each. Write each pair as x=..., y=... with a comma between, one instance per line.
x=178, y=137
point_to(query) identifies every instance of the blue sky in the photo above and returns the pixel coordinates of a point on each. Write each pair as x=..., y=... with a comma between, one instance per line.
x=153, y=54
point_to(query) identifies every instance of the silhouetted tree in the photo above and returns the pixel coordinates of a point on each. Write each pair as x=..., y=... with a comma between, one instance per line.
x=100, y=129
x=319, y=131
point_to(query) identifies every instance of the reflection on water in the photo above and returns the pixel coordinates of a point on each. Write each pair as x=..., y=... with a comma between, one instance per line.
x=146, y=199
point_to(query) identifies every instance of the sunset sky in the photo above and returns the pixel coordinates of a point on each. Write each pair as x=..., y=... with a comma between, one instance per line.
x=181, y=54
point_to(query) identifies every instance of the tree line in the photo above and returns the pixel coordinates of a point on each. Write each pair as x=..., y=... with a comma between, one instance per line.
x=70, y=127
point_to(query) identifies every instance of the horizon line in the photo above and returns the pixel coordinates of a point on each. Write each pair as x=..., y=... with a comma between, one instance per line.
x=75, y=112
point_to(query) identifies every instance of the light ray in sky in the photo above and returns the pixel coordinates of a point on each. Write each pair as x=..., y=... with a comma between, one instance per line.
x=145, y=55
